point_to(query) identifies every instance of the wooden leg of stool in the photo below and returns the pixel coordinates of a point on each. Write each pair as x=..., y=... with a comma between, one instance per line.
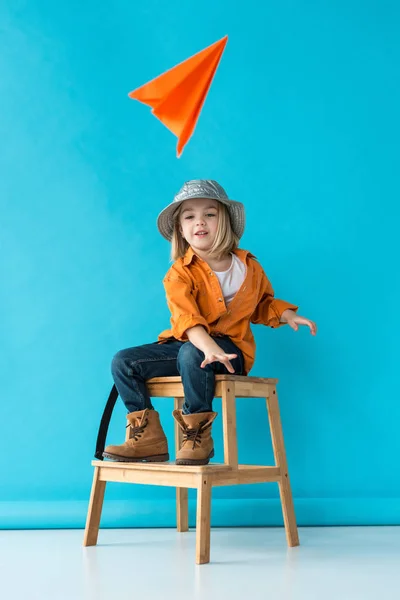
x=94, y=510
x=182, y=509
x=229, y=424
x=182, y=512
x=203, y=520
x=285, y=491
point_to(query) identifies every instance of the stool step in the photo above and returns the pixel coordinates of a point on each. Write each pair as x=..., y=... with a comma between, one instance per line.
x=242, y=385
x=170, y=474
x=238, y=378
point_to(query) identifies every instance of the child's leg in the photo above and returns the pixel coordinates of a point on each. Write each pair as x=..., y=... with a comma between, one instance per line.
x=196, y=418
x=131, y=367
x=198, y=383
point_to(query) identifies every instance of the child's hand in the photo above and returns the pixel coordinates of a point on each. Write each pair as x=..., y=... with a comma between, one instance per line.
x=294, y=320
x=220, y=357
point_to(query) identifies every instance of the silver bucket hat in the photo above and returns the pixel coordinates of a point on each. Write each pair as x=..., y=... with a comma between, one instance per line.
x=201, y=188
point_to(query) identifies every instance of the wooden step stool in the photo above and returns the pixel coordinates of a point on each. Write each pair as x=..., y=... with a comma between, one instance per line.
x=203, y=478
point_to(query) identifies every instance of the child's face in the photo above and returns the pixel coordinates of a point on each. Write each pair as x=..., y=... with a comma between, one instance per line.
x=198, y=223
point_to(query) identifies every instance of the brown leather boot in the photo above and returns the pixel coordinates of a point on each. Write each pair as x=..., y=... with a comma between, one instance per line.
x=197, y=445
x=147, y=442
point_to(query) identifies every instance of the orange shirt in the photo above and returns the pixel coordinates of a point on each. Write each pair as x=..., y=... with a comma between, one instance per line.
x=194, y=297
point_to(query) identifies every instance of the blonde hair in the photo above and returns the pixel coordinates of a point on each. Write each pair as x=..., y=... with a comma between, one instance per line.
x=226, y=240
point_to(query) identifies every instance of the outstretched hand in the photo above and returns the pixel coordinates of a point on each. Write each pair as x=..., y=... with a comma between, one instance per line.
x=221, y=357
x=294, y=320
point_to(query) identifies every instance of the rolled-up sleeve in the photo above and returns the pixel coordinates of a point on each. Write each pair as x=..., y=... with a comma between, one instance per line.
x=182, y=305
x=270, y=309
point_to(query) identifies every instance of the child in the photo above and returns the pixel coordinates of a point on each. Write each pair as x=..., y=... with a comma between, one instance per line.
x=214, y=291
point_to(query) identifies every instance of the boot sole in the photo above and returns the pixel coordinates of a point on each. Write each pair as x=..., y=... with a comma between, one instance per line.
x=156, y=458
x=195, y=462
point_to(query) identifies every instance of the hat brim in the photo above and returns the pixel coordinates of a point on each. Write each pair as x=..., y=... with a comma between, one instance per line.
x=165, y=220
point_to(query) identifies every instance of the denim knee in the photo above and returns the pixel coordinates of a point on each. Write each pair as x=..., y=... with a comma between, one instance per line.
x=189, y=356
x=117, y=364
x=122, y=364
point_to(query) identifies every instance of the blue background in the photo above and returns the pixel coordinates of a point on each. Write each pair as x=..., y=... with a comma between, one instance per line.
x=302, y=125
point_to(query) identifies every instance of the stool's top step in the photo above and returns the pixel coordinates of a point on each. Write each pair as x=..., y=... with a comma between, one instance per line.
x=238, y=378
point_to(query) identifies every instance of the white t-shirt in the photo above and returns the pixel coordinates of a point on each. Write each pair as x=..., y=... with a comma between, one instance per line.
x=232, y=279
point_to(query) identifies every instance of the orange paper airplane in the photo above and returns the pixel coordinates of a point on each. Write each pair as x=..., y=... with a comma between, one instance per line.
x=177, y=96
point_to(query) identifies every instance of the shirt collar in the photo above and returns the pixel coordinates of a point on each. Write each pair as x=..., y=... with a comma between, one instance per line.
x=187, y=259
x=242, y=254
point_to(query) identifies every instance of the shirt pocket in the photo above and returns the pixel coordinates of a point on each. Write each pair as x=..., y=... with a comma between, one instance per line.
x=202, y=298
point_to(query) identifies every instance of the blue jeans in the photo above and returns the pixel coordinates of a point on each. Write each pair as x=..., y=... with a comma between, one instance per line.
x=131, y=367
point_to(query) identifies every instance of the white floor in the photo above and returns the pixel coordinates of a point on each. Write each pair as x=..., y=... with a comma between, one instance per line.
x=342, y=563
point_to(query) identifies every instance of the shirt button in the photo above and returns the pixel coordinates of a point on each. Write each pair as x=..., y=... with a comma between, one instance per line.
x=219, y=299
x=211, y=273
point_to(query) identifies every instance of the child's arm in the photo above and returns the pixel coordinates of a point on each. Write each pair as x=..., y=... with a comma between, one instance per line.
x=182, y=305
x=212, y=352
x=187, y=323
x=269, y=310
x=274, y=312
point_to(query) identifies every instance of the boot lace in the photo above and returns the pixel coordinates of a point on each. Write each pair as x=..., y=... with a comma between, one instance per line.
x=137, y=430
x=194, y=435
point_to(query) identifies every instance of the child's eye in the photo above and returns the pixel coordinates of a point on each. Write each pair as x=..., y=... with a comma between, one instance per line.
x=207, y=215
